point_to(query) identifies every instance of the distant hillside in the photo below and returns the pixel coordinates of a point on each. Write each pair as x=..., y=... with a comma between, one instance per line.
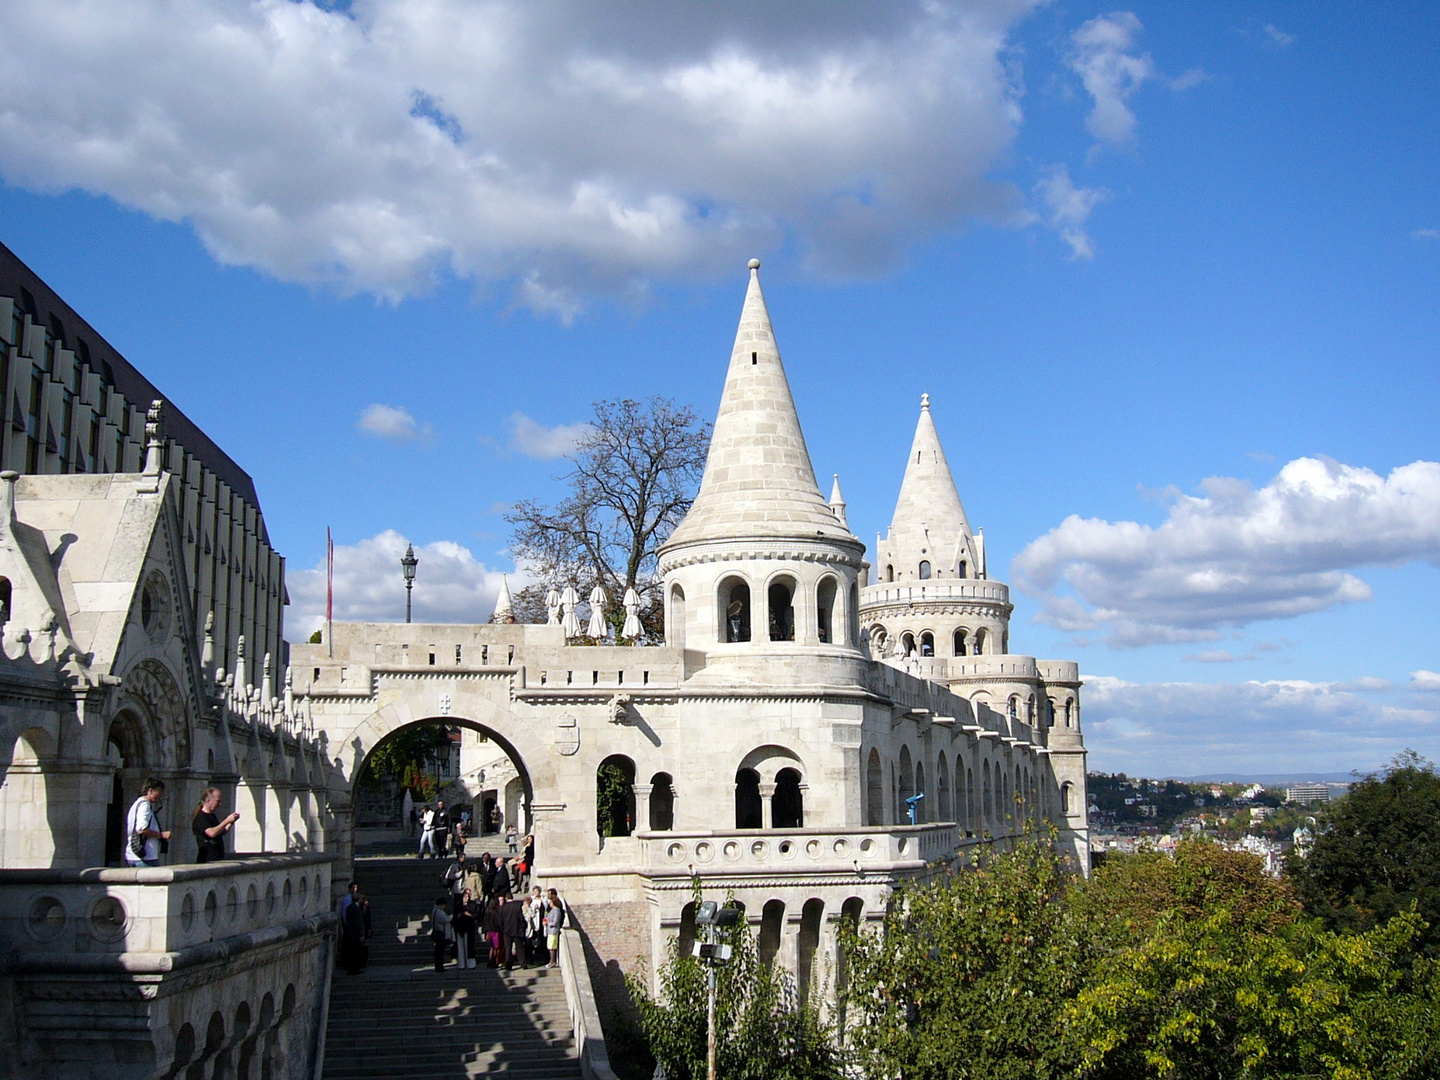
x=1270, y=779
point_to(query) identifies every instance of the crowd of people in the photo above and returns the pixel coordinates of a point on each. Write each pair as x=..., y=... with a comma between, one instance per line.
x=489, y=905
x=443, y=831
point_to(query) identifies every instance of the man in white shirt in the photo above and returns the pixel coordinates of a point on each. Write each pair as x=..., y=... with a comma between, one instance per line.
x=142, y=826
x=427, y=838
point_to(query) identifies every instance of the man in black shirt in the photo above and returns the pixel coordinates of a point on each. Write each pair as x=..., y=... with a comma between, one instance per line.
x=209, y=828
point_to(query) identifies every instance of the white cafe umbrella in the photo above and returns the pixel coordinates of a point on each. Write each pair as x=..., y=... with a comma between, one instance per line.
x=598, y=627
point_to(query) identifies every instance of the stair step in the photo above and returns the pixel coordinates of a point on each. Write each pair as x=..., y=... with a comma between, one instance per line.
x=400, y=1019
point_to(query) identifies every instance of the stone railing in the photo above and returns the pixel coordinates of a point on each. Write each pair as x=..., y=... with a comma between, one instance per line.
x=958, y=590
x=584, y=1015
x=828, y=850
x=119, y=916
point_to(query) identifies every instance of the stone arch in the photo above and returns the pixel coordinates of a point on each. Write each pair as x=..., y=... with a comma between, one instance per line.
x=907, y=784
x=927, y=643
x=807, y=943
x=1067, y=796
x=924, y=569
x=970, y=813
x=615, y=807
x=675, y=618
x=782, y=595
x=874, y=790
x=662, y=802
x=988, y=797
x=829, y=618
x=922, y=812
x=879, y=639
x=907, y=643
x=772, y=922
x=749, y=812
x=959, y=641
x=26, y=800
x=942, y=789
x=982, y=641
x=734, y=605
x=788, y=802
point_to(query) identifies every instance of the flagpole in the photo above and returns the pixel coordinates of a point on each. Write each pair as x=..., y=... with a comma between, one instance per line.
x=329, y=592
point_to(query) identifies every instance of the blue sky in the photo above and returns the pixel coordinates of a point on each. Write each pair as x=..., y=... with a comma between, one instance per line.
x=1170, y=273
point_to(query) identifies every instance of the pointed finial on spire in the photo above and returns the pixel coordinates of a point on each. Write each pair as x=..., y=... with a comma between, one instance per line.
x=504, y=606
x=754, y=264
x=154, y=442
x=207, y=652
x=837, y=501
x=924, y=401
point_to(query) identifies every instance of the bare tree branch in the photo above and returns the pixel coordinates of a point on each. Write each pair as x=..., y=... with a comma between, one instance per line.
x=632, y=480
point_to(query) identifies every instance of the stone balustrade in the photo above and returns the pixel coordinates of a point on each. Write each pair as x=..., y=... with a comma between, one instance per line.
x=960, y=590
x=821, y=850
x=128, y=913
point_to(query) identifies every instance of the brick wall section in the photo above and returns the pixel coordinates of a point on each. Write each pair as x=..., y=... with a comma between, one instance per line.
x=615, y=934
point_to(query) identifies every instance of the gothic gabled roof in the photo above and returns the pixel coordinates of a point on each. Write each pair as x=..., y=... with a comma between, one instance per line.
x=758, y=480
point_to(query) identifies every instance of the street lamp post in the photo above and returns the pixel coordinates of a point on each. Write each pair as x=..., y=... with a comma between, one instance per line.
x=407, y=567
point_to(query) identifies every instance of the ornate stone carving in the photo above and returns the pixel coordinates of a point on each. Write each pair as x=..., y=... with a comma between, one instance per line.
x=151, y=686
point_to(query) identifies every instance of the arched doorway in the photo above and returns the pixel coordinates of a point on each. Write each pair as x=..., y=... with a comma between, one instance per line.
x=480, y=776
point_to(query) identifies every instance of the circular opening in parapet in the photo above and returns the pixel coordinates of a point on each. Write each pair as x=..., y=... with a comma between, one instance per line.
x=319, y=890
x=867, y=846
x=252, y=902
x=46, y=918
x=232, y=905
x=270, y=898
x=676, y=852
x=187, y=912
x=304, y=892
x=107, y=919
x=212, y=907
x=285, y=894
x=787, y=848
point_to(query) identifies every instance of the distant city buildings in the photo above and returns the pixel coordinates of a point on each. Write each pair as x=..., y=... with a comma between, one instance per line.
x=1305, y=794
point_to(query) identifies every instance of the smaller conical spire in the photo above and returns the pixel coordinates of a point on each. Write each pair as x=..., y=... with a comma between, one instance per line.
x=504, y=607
x=837, y=501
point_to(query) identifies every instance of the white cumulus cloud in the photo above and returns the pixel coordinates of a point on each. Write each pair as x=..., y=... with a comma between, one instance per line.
x=1067, y=208
x=451, y=585
x=1103, y=55
x=1424, y=680
x=561, y=148
x=534, y=439
x=1189, y=728
x=391, y=423
x=1234, y=555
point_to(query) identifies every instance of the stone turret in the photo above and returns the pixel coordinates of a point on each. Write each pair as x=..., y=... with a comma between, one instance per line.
x=762, y=562
x=931, y=596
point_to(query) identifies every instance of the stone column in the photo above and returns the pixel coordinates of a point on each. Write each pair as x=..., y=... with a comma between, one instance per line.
x=767, y=799
x=642, y=804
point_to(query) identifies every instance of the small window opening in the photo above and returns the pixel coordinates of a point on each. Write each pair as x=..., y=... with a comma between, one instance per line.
x=484, y=654
x=432, y=659
x=962, y=568
x=544, y=676
x=594, y=678
x=644, y=678
x=620, y=678
x=889, y=573
x=927, y=644
x=924, y=569
x=511, y=660
x=737, y=611
x=317, y=675
x=458, y=654
x=754, y=358
x=569, y=677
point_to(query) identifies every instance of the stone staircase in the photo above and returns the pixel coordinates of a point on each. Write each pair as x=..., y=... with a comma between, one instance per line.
x=401, y=1019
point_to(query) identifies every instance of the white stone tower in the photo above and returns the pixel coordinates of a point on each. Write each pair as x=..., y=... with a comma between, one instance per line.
x=932, y=596
x=762, y=570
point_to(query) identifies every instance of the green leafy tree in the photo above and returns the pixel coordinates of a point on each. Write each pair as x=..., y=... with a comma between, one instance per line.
x=968, y=976
x=410, y=751
x=1216, y=998
x=764, y=1031
x=1380, y=854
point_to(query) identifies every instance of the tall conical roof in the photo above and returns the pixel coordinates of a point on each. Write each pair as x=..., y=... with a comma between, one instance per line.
x=504, y=606
x=929, y=524
x=758, y=478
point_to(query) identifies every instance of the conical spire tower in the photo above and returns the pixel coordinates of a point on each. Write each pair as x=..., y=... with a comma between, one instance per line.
x=758, y=482
x=929, y=534
x=504, y=606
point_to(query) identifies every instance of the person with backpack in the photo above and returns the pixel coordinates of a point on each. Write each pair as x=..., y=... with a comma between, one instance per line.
x=441, y=932
x=145, y=840
x=554, y=922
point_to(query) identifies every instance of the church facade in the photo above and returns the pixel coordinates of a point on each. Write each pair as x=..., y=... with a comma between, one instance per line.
x=813, y=732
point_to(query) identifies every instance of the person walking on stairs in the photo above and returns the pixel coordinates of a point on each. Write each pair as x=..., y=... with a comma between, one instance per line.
x=512, y=925
x=427, y=838
x=441, y=931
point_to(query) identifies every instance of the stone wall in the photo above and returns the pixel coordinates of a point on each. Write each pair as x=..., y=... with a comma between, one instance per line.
x=616, y=936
